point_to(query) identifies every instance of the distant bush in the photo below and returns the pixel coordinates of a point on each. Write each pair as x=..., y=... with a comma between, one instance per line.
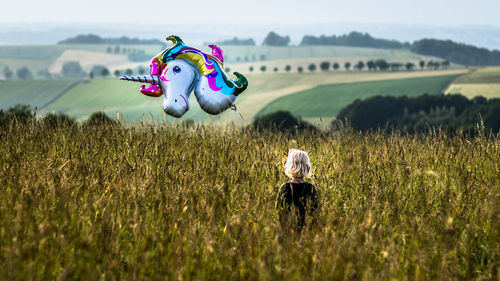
x=300, y=69
x=21, y=114
x=57, y=120
x=7, y=72
x=24, y=73
x=250, y=68
x=98, y=119
x=288, y=68
x=312, y=67
x=275, y=69
x=281, y=121
x=325, y=66
x=263, y=68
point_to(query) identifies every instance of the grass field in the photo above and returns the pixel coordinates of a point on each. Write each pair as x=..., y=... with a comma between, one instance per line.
x=169, y=204
x=327, y=100
x=35, y=93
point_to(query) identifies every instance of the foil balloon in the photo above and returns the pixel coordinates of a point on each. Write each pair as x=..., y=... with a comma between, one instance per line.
x=179, y=70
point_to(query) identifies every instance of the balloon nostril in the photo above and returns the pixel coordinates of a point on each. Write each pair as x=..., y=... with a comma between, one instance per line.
x=175, y=100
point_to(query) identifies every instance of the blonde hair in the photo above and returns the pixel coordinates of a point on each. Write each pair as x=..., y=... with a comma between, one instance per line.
x=298, y=164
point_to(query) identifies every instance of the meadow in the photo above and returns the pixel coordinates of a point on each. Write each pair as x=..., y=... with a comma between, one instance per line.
x=162, y=202
x=327, y=100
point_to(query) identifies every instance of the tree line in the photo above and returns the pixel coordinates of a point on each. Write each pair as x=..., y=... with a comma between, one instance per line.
x=95, y=39
x=445, y=49
x=452, y=113
x=371, y=65
x=353, y=39
x=456, y=52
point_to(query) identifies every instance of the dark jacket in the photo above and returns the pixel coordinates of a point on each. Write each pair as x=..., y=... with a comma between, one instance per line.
x=294, y=202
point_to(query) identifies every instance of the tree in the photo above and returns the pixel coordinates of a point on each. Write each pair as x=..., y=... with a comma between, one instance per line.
x=371, y=65
x=275, y=69
x=141, y=70
x=421, y=64
x=263, y=57
x=7, y=72
x=445, y=64
x=409, y=66
x=288, y=68
x=109, y=50
x=117, y=73
x=273, y=39
x=300, y=69
x=382, y=64
x=227, y=69
x=250, y=68
x=360, y=65
x=325, y=66
x=72, y=69
x=104, y=72
x=97, y=69
x=347, y=65
x=312, y=67
x=281, y=121
x=24, y=73
x=263, y=68
x=336, y=65
x=91, y=75
x=117, y=49
x=129, y=71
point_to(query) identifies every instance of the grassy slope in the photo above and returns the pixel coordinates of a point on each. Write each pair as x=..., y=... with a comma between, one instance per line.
x=111, y=95
x=34, y=92
x=327, y=100
x=199, y=205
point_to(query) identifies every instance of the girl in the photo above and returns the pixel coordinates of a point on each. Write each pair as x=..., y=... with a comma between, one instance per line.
x=296, y=197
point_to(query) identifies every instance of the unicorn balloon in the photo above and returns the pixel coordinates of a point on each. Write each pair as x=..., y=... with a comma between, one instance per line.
x=180, y=69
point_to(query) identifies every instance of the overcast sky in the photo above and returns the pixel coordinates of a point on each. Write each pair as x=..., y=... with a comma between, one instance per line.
x=432, y=12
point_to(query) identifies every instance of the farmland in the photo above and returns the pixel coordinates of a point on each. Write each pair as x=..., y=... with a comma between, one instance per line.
x=167, y=203
x=482, y=82
x=327, y=100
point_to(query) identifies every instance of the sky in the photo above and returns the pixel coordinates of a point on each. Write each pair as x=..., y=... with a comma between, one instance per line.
x=432, y=12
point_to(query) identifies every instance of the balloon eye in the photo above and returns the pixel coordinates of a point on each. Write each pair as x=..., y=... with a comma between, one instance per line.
x=177, y=69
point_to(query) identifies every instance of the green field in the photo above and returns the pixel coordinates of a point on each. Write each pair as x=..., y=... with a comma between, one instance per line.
x=35, y=93
x=112, y=95
x=162, y=203
x=328, y=100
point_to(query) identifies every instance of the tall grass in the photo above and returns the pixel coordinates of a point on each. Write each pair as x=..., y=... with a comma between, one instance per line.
x=166, y=203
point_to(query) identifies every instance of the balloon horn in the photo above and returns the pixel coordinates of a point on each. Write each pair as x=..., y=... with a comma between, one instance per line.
x=155, y=80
